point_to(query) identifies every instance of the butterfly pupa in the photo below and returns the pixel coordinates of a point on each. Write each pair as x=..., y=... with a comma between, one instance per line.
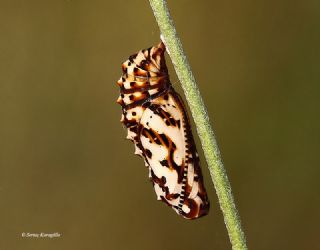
x=158, y=125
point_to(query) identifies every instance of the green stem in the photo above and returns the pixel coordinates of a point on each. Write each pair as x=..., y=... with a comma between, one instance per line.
x=200, y=116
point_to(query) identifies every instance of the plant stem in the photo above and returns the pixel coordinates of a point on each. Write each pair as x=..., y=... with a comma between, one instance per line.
x=200, y=116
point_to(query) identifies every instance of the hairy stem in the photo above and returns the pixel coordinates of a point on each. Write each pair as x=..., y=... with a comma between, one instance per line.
x=200, y=116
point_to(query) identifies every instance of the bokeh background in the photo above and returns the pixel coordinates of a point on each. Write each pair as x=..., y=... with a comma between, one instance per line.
x=66, y=167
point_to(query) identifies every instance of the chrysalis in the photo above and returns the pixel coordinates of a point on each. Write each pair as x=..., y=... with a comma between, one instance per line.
x=158, y=126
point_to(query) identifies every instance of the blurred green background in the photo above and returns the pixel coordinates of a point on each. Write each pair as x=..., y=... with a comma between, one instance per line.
x=66, y=167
